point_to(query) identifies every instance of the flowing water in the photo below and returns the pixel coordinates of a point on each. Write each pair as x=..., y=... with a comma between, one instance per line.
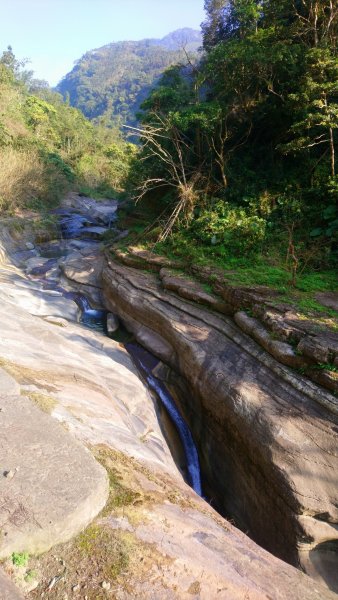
x=73, y=226
x=146, y=362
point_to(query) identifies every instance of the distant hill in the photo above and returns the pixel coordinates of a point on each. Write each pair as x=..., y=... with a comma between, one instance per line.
x=113, y=81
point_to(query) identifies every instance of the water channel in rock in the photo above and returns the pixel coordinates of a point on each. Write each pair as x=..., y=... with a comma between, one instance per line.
x=75, y=229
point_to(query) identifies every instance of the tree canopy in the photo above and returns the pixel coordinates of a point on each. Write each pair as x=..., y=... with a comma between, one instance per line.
x=255, y=125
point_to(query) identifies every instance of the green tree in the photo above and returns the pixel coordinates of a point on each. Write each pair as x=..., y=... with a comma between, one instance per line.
x=214, y=25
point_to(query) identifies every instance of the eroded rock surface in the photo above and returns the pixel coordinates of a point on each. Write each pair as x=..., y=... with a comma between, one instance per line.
x=267, y=437
x=8, y=590
x=50, y=486
x=179, y=547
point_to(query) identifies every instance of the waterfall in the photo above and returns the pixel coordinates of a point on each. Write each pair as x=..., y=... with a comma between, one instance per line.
x=168, y=402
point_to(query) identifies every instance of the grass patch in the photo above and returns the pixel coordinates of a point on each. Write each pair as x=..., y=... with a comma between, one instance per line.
x=309, y=305
x=250, y=272
x=27, y=180
x=25, y=375
x=102, y=552
x=101, y=192
x=30, y=575
x=120, y=495
x=43, y=401
x=265, y=270
x=105, y=549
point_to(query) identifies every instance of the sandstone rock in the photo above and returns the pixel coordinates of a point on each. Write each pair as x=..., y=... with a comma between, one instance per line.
x=127, y=259
x=94, y=232
x=244, y=297
x=148, y=337
x=106, y=213
x=234, y=568
x=282, y=351
x=329, y=299
x=112, y=323
x=57, y=489
x=192, y=290
x=152, y=259
x=58, y=321
x=8, y=385
x=266, y=436
x=35, y=261
x=8, y=591
x=83, y=267
x=276, y=322
x=101, y=401
x=141, y=259
x=328, y=379
x=121, y=235
x=314, y=349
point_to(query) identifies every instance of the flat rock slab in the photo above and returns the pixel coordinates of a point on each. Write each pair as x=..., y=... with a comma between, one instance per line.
x=8, y=591
x=234, y=567
x=95, y=232
x=51, y=487
x=83, y=268
x=43, y=303
x=329, y=299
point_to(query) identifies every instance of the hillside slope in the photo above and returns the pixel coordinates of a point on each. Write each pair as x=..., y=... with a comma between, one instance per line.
x=112, y=81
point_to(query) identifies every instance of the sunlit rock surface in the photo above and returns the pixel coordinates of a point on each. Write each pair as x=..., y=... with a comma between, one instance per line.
x=89, y=386
x=266, y=436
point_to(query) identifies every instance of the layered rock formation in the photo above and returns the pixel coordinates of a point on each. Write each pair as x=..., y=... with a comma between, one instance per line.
x=267, y=436
x=161, y=540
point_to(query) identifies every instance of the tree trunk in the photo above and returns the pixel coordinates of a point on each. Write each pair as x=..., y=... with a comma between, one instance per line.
x=332, y=152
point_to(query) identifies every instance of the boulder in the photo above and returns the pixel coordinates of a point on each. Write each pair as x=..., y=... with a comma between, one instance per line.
x=112, y=323
x=83, y=267
x=53, y=489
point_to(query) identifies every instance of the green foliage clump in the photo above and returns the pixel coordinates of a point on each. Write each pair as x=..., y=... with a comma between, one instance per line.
x=30, y=575
x=20, y=559
x=232, y=227
x=105, y=549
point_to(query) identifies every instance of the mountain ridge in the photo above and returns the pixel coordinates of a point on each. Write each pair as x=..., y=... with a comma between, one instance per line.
x=186, y=36
x=112, y=81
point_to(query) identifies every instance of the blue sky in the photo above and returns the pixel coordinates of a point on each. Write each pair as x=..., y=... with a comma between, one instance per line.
x=55, y=33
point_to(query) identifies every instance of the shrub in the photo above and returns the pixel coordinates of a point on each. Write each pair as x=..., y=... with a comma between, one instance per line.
x=104, y=171
x=232, y=227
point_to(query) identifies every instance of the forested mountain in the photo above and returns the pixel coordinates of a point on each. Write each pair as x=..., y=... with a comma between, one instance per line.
x=112, y=81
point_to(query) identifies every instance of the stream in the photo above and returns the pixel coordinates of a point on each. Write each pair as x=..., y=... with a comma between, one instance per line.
x=75, y=227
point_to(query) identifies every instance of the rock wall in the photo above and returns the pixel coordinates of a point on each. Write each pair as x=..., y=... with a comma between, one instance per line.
x=177, y=546
x=267, y=437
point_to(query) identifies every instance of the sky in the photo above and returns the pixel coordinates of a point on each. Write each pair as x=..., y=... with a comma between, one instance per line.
x=53, y=34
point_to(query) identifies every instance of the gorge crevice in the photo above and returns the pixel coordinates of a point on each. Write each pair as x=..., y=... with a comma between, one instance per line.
x=258, y=436
x=267, y=443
